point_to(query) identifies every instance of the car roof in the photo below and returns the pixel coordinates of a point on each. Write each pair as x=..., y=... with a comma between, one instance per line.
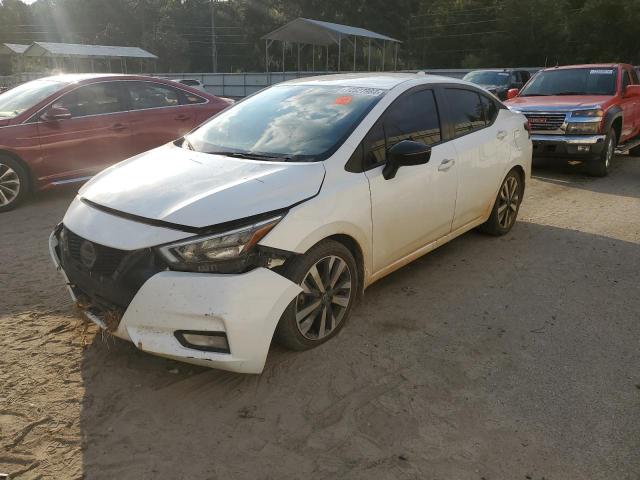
x=82, y=77
x=585, y=65
x=382, y=80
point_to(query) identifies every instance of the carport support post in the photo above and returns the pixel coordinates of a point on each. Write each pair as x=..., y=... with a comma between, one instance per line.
x=283, y=59
x=384, y=49
x=327, y=55
x=355, y=51
x=313, y=58
x=369, y=57
x=298, y=58
x=266, y=55
x=395, y=58
x=339, y=51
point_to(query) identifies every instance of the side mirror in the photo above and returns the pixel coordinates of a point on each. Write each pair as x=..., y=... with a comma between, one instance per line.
x=632, y=91
x=404, y=154
x=56, y=113
x=512, y=93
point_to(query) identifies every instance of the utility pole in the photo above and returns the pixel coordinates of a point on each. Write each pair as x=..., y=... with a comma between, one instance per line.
x=214, y=50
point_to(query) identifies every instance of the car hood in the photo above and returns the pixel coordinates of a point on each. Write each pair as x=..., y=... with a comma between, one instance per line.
x=559, y=102
x=193, y=189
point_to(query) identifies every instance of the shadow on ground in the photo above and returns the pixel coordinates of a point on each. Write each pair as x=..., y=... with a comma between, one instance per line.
x=489, y=358
x=574, y=175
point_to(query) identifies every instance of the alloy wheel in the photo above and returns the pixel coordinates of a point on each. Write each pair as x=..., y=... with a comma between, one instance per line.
x=609, y=154
x=508, y=202
x=9, y=185
x=326, y=294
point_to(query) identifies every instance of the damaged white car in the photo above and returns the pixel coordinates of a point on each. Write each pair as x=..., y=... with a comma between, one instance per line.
x=271, y=219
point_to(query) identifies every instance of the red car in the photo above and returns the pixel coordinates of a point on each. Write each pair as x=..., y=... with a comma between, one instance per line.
x=64, y=129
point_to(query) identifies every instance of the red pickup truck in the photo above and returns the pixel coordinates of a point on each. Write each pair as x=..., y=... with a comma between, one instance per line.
x=582, y=112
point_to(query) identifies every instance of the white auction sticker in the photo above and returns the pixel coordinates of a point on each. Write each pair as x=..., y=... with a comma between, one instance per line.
x=601, y=72
x=372, y=92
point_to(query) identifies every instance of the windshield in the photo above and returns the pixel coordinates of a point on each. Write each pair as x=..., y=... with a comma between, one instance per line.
x=487, y=78
x=15, y=101
x=572, y=81
x=288, y=122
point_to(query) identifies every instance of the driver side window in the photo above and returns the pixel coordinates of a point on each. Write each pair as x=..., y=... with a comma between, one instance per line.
x=413, y=116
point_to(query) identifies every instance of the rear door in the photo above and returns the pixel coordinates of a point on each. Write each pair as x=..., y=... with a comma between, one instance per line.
x=630, y=106
x=482, y=147
x=98, y=133
x=159, y=113
x=416, y=206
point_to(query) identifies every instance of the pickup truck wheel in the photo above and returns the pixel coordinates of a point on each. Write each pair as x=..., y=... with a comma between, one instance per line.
x=328, y=276
x=599, y=167
x=506, y=207
x=14, y=184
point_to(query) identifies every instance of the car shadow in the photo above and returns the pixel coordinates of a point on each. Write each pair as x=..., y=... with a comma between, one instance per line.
x=487, y=355
x=574, y=175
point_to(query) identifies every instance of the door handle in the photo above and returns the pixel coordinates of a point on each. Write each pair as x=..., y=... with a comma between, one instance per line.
x=182, y=117
x=117, y=127
x=501, y=135
x=446, y=164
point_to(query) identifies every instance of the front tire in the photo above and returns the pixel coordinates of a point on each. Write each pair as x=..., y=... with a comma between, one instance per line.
x=14, y=183
x=599, y=167
x=328, y=275
x=506, y=207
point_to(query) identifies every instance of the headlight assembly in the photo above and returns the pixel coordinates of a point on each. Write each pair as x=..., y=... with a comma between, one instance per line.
x=224, y=252
x=595, y=112
x=583, y=128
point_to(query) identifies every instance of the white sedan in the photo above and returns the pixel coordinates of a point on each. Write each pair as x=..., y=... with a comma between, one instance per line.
x=271, y=219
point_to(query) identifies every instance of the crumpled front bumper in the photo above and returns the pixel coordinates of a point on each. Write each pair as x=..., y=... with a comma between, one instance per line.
x=246, y=307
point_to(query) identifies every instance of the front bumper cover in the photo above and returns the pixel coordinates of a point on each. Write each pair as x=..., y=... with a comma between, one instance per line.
x=567, y=145
x=246, y=307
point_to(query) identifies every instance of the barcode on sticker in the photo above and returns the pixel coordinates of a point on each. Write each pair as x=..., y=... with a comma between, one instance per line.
x=372, y=92
x=601, y=72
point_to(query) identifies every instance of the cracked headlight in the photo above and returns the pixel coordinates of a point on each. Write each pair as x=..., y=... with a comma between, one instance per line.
x=221, y=252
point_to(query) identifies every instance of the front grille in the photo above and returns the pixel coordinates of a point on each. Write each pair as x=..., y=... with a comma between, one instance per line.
x=106, y=261
x=108, y=277
x=545, y=122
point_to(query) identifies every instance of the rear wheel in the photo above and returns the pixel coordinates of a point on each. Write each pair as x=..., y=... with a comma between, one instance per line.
x=13, y=183
x=599, y=167
x=506, y=207
x=328, y=276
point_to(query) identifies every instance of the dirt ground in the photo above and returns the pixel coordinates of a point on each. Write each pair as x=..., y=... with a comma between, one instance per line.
x=491, y=358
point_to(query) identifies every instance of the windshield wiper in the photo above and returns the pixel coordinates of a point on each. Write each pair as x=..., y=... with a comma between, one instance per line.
x=252, y=156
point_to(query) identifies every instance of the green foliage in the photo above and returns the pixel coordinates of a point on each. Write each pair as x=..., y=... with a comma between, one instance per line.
x=435, y=33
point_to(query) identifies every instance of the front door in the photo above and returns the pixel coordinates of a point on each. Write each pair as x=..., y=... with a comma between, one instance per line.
x=97, y=134
x=416, y=206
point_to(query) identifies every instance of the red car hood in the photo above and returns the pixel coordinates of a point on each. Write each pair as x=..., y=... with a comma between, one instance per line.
x=560, y=101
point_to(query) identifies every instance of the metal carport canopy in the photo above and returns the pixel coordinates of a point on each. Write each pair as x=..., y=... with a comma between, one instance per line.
x=316, y=32
x=50, y=49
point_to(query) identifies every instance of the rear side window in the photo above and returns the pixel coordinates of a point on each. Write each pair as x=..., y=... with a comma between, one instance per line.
x=190, y=83
x=191, y=99
x=413, y=116
x=467, y=111
x=95, y=99
x=490, y=110
x=144, y=95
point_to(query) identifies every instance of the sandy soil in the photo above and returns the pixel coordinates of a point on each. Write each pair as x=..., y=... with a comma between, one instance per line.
x=508, y=358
